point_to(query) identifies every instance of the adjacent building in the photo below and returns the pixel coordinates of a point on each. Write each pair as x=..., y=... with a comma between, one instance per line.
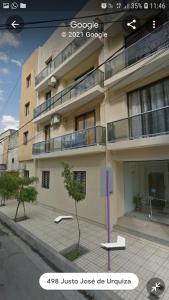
x=97, y=115
x=13, y=144
x=9, y=150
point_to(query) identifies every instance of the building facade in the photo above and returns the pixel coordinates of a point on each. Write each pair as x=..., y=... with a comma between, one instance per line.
x=27, y=104
x=95, y=115
x=137, y=117
x=9, y=150
x=13, y=163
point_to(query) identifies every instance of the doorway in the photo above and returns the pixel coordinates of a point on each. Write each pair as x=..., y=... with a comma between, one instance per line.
x=146, y=187
x=86, y=125
x=47, y=138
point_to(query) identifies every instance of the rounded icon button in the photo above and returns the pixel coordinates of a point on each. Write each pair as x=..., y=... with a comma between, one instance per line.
x=131, y=24
x=155, y=287
x=14, y=5
x=15, y=24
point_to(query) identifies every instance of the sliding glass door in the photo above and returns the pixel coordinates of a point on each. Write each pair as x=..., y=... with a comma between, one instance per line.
x=87, y=121
x=146, y=190
x=148, y=110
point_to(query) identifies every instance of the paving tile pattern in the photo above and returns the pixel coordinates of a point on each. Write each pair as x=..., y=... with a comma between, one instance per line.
x=145, y=258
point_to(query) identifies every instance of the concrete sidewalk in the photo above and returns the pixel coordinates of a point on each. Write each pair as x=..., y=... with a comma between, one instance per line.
x=145, y=258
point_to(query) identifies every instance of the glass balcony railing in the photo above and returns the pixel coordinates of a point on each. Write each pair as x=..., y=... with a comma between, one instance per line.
x=78, y=139
x=93, y=79
x=149, y=44
x=148, y=124
x=67, y=52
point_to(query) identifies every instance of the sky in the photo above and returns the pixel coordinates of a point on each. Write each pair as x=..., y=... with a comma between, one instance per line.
x=15, y=48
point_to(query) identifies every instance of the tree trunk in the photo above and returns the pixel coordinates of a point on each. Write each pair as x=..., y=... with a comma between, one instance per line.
x=77, y=225
x=2, y=201
x=24, y=208
x=17, y=210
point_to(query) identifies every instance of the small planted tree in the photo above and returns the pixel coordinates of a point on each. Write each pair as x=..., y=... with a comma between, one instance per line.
x=7, y=187
x=75, y=190
x=25, y=192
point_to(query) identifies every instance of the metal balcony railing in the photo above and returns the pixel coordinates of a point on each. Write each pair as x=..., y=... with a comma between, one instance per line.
x=146, y=46
x=67, y=52
x=147, y=124
x=78, y=139
x=93, y=79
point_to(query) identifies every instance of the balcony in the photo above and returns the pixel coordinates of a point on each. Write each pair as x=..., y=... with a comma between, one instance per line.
x=79, y=49
x=147, y=55
x=72, y=97
x=94, y=136
x=146, y=129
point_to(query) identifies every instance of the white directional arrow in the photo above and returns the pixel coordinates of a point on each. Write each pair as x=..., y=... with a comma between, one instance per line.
x=157, y=286
x=119, y=245
x=60, y=218
x=14, y=24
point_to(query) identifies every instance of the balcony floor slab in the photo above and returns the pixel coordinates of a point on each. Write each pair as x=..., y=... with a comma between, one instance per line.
x=72, y=152
x=82, y=53
x=155, y=141
x=72, y=104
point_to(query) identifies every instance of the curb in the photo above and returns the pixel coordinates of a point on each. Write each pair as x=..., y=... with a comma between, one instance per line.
x=52, y=257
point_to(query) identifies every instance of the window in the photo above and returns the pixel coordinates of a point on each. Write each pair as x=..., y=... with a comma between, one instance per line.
x=27, y=105
x=26, y=174
x=48, y=95
x=49, y=65
x=28, y=81
x=85, y=124
x=80, y=176
x=45, y=179
x=148, y=109
x=47, y=138
x=85, y=121
x=13, y=160
x=25, y=138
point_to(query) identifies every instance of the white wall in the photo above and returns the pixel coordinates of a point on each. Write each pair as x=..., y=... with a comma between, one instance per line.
x=13, y=154
x=93, y=207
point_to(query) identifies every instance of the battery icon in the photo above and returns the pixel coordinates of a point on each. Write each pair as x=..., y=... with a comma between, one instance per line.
x=145, y=5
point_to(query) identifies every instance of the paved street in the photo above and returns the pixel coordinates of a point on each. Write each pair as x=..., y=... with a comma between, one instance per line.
x=143, y=257
x=20, y=269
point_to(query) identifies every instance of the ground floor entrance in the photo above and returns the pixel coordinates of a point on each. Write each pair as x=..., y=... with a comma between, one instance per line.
x=146, y=190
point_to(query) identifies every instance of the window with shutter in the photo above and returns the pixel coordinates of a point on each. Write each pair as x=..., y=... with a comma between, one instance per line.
x=80, y=176
x=45, y=179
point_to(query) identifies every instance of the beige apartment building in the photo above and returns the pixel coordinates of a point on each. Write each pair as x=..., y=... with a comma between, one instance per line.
x=116, y=116
x=27, y=104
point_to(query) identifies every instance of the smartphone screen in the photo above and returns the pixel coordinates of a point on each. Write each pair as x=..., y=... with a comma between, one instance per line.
x=84, y=149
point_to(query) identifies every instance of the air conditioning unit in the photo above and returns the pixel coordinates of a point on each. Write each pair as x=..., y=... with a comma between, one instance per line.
x=56, y=119
x=52, y=82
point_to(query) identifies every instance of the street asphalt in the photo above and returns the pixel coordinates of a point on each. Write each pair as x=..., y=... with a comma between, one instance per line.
x=20, y=270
